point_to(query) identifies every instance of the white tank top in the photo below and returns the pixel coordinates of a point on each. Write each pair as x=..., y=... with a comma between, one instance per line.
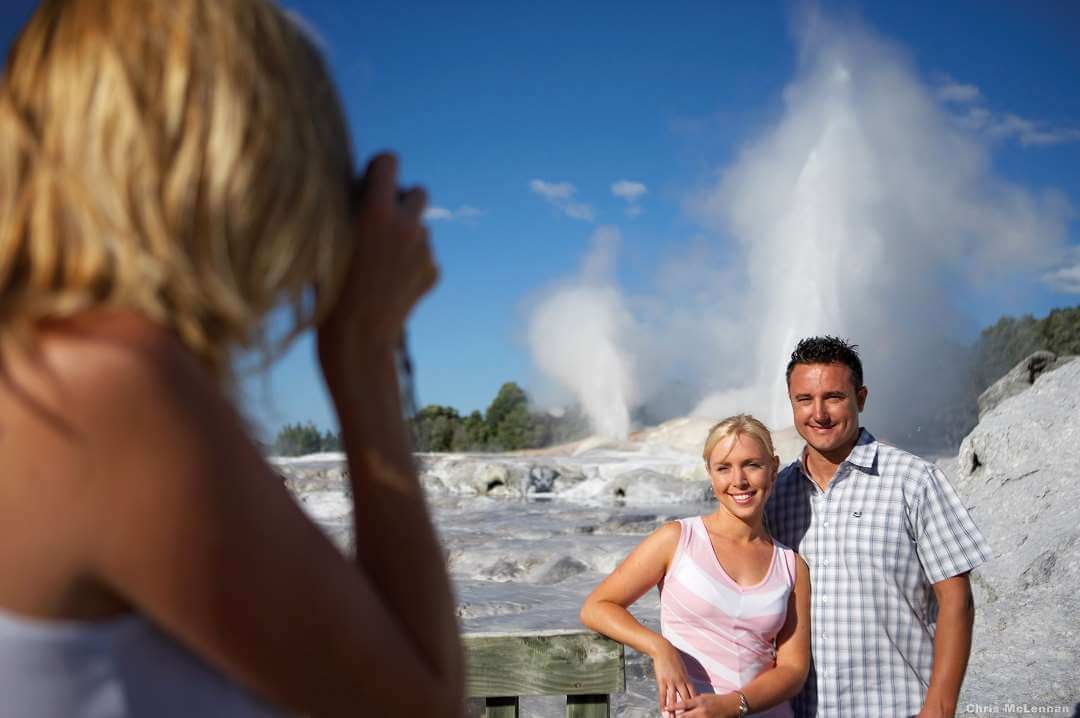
x=118, y=668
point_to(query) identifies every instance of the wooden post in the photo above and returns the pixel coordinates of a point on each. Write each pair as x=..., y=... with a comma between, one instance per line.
x=582, y=665
x=588, y=706
x=501, y=707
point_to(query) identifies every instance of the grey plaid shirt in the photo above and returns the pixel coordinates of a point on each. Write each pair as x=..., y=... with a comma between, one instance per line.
x=888, y=526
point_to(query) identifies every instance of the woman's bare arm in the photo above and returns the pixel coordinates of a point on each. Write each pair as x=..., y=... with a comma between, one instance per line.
x=396, y=545
x=183, y=518
x=605, y=610
x=792, y=650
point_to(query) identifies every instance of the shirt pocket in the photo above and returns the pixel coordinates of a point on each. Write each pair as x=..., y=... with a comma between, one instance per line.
x=874, y=537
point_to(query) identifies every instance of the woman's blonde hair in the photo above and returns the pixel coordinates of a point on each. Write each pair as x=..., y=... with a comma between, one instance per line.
x=185, y=159
x=738, y=425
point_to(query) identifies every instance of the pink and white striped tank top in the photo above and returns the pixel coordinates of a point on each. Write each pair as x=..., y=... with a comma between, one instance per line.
x=724, y=631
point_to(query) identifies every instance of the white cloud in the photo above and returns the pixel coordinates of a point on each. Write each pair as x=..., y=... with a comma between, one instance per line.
x=629, y=190
x=959, y=93
x=976, y=118
x=577, y=210
x=1031, y=133
x=999, y=125
x=560, y=195
x=435, y=214
x=552, y=190
x=442, y=214
x=1067, y=278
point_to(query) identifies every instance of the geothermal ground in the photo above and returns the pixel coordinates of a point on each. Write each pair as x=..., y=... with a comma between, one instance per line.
x=528, y=535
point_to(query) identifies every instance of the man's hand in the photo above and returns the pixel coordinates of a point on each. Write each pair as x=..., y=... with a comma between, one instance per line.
x=935, y=711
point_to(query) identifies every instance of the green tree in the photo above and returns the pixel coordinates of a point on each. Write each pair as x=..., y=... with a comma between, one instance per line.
x=510, y=424
x=330, y=442
x=1001, y=346
x=506, y=425
x=1060, y=331
x=435, y=427
x=298, y=439
x=475, y=435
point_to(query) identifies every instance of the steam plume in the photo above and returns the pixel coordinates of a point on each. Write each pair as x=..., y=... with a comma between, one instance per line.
x=864, y=212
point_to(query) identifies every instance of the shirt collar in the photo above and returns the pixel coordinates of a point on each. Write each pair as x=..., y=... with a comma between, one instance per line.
x=863, y=454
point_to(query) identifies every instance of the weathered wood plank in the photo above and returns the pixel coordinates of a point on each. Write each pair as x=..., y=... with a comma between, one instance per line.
x=542, y=663
x=501, y=707
x=588, y=706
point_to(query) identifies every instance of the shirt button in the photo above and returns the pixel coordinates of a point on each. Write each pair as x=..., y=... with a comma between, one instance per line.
x=825, y=524
x=825, y=562
x=824, y=599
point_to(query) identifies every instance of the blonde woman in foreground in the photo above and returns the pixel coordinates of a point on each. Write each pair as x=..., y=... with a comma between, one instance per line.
x=169, y=173
x=734, y=603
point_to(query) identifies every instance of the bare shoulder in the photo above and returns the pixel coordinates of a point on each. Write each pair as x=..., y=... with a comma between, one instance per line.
x=93, y=364
x=668, y=534
x=123, y=385
x=120, y=414
x=84, y=382
x=89, y=416
x=661, y=543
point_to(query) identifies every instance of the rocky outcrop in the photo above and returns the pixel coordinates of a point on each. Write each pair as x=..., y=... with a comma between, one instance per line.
x=1019, y=474
x=1020, y=378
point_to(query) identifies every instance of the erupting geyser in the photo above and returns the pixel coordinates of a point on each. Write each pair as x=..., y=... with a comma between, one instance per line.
x=866, y=212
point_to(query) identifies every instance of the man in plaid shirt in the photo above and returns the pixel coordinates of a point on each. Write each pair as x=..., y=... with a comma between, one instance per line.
x=889, y=545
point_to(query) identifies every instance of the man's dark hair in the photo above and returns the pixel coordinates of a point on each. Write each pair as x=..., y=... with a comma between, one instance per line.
x=827, y=350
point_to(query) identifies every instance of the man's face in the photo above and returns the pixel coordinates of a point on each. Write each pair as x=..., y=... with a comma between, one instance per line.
x=825, y=405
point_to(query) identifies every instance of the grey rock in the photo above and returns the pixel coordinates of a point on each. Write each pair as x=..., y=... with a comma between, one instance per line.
x=492, y=479
x=1020, y=378
x=1019, y=475
x=568, y=476
x=645, y=485
x=562, y=569
x=542, y=479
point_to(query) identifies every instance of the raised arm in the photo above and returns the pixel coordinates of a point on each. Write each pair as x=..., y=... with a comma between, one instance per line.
x=396, y=545
x=180, y=516
x=605, y=610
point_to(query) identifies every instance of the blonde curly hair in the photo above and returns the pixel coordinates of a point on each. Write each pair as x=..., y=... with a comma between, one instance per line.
x=187, y=159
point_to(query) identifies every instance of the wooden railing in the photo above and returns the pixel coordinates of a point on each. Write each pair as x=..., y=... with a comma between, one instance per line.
x=583, y=666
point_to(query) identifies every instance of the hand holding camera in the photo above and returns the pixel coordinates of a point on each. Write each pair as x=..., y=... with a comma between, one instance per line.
x=390, y=270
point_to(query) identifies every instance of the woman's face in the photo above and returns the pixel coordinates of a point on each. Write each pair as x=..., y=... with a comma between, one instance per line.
x=742, y=474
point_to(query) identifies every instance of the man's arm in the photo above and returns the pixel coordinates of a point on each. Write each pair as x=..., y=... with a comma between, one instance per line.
x=952, y=646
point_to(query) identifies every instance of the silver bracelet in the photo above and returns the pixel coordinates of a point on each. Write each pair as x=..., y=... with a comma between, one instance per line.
x=744, y=707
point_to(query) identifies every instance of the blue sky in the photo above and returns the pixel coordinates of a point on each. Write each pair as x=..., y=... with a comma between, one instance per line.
x=482, y=100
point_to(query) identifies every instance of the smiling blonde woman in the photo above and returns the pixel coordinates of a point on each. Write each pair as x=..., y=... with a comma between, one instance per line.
x=169, y=173
x=734, y=634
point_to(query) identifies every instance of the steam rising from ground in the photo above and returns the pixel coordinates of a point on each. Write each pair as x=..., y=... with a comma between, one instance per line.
x=577, y=336
x=864, y=212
